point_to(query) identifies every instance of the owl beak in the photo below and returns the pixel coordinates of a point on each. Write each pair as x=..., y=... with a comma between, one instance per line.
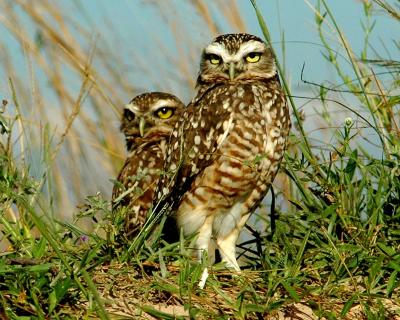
x=142, y=125
x=232, y=71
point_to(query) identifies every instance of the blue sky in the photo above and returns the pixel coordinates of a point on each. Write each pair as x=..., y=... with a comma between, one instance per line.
x=138, y=25
x=147, y=28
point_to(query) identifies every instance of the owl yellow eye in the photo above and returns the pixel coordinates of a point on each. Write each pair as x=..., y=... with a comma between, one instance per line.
x=164, y=113
x=214, y=59
x=253, y=57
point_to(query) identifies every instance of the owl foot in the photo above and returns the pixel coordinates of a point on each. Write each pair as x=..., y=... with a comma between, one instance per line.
x=203, y=278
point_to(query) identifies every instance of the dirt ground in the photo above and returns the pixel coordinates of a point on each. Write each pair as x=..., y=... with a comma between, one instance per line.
x=128, y=294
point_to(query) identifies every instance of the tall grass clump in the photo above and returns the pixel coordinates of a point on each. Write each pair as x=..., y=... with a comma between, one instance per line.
x=325, y=244
x=343, y=232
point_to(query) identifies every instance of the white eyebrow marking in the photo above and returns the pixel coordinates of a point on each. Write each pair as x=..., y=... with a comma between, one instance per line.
x=160, y=103
x=163, y=103
x=245, y=48
x=132, y=107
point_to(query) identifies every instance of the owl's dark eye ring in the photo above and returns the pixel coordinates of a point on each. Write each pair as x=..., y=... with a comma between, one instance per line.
x=253, y=57
x=164, y=112
x=128, y=115
x=213, y=58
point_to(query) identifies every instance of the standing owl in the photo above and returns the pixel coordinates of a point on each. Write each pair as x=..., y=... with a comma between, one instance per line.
x=147, y=123
x=226, y=148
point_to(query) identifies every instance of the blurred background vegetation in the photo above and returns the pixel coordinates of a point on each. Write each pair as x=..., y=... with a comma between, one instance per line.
x=67, y=68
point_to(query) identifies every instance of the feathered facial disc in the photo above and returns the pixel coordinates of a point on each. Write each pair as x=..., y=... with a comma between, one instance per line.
x=150, y=115
x=236, y=57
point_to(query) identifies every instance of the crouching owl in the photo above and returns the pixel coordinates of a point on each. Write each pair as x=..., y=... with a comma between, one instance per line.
x=147, y=123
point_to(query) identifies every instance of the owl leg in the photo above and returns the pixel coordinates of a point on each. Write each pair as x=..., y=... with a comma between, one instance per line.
x=204, y=238
x=227, y=244
x=203, y=245
x=227, y=248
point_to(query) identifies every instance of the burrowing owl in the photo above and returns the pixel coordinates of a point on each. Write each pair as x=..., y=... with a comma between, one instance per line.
x=226, y=149
x=147, y=123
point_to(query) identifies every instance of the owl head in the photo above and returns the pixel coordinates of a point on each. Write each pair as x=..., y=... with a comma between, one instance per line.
x=150, y=116
x=236, y=57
